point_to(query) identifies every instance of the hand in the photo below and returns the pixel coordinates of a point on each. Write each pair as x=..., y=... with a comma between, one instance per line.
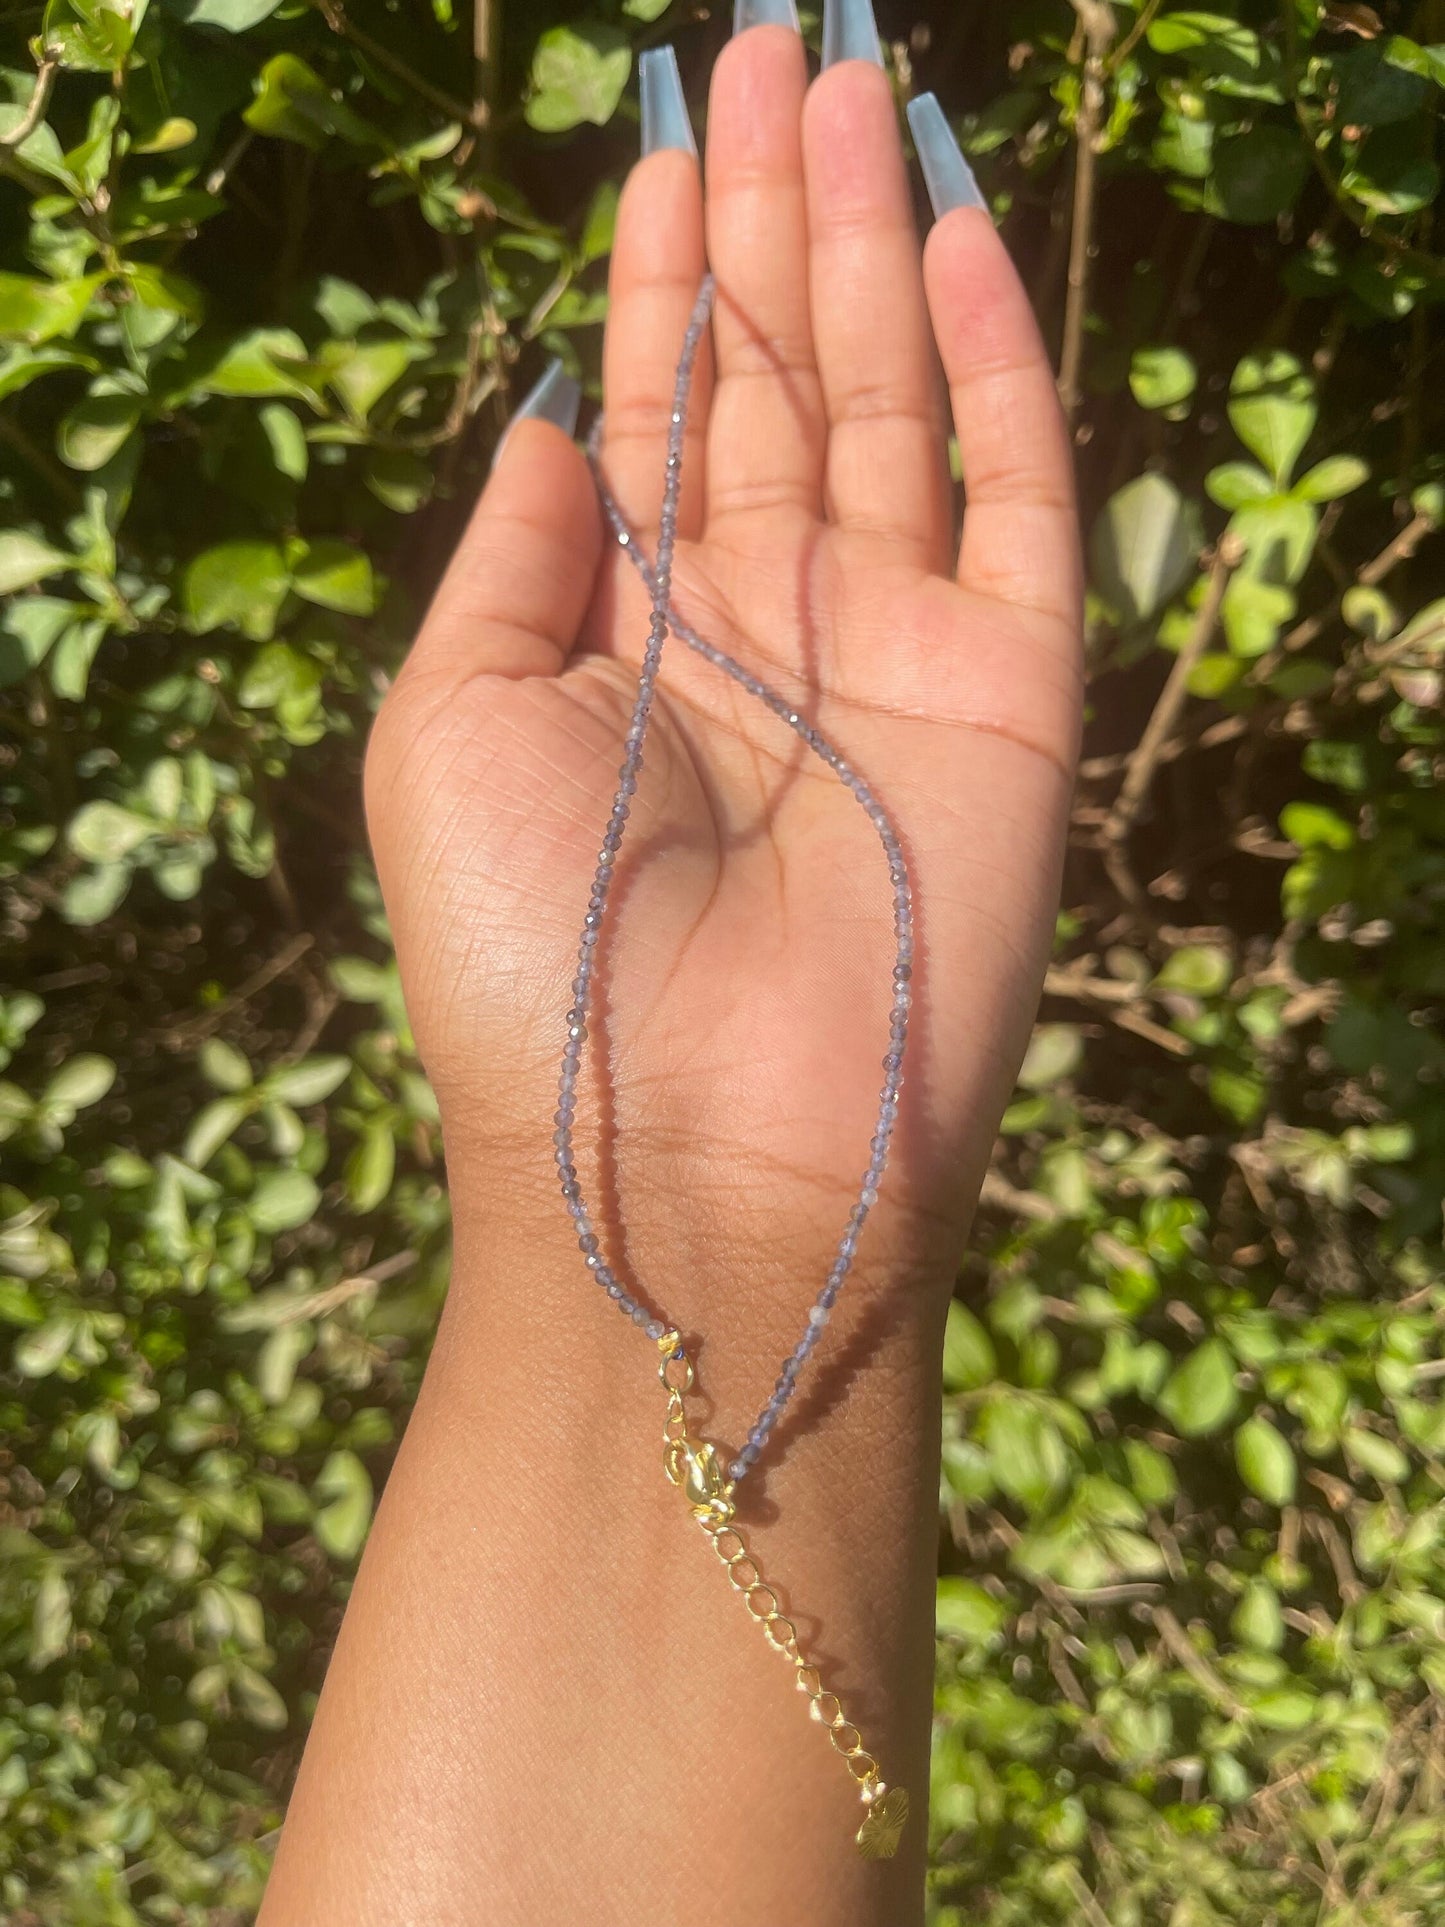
x=543, y=1685
x=745, y=966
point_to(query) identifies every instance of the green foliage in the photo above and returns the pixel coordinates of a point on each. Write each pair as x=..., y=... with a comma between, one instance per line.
x=265, y=289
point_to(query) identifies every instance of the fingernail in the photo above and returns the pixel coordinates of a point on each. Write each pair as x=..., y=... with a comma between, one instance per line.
x=947, y=175
x=665, y=121
x=765, y=13
x=556, y=398
x=850, y=32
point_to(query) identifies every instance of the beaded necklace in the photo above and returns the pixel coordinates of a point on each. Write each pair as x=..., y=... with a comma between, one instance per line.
x=694, y=1464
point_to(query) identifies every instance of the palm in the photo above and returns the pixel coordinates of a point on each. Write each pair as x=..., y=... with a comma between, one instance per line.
x=744, y=974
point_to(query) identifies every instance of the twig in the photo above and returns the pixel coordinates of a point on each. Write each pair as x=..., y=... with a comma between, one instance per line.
x=486, y=49
x=1160, y=726
x=340, y=22
x=1194, y=1663
x=1135, y=34
x=36, y=105
x=999, y=1195
x=331, y=1297
x=1097, y=21
x=187, y=1030
x=1369, y=576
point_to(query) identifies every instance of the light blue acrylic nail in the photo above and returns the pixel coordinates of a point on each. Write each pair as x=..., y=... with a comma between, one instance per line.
x=556, y=398
x=765, y=13
x=947, y=175
x=850, y=32
x=665, y=121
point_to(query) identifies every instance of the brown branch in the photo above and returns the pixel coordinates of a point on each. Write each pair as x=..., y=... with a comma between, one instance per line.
x=1097, y=20
x=36, y=105
x=486, y=52
x=1215, y=1689
x=336, y=17
x=1160, y=726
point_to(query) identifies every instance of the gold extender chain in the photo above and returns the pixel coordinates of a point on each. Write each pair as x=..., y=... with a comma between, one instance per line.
x=693, y=1465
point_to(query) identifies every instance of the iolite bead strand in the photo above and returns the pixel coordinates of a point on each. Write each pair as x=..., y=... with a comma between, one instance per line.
x=658, y=580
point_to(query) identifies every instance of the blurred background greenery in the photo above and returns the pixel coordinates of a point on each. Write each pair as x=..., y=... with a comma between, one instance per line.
x=270, y=276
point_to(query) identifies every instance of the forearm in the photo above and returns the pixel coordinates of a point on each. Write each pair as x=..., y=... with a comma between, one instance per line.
x=546, y=1686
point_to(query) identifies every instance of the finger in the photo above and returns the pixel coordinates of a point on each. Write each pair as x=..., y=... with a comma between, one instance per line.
x=767, y=436
x=657, y=268
x=512, y=601
x=886, y=459
x=1020, y=527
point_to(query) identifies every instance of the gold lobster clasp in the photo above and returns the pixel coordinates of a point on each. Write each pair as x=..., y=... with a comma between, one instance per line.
x=691, y=1464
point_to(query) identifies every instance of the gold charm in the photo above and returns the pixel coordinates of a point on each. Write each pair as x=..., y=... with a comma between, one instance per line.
x=880, y=1833
x=693, y=1466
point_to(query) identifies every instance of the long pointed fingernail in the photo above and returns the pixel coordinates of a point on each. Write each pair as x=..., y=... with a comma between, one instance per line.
x=665, y=121
x=947, y=175
x=765, y=13
x=556, y=398
x=850, y=32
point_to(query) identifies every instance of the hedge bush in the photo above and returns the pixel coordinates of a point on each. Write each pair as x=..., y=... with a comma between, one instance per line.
x=271, y=274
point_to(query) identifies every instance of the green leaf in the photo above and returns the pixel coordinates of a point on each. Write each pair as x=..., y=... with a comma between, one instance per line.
x=400, y=480
x=1336, y=475
x=95, y=428
x=969, y=1359
x=308, y=1082
x=1055, y=1052
x=1162, y=377
x=238, y=585
x=1259, y=175
x=264, y=361
x=343, y=1495
x=371, y=1167
x=282, y=1200
x=1265, y=1460
x=1375, y=89
x=1380, y=1457
x=1370, y=612
x=256, y=1699
x=1278, y=537
x=90, y=897
x=578, y=74
x=1200, y=969
x=37, y=1353
x=214, y=1125
x=600, y=228
x=1233, y=484
x=1272, y=409
x=50, y=1622
x=26, y=559
x=104, y=832
x=335, y=576
x=1257, y=1620
x=233, y=16
x=966, y=1612
x=1144, y=547
x=1253, y=612
x=1025, y=1452
x=81, y=1082
x=223, y=1066
x=20, y=366
x=1314, y=827
x=286, y=439
x=645, y=9
x=34, y=311
x=361, y=372
x=292, y=103
x=1200, y=1395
